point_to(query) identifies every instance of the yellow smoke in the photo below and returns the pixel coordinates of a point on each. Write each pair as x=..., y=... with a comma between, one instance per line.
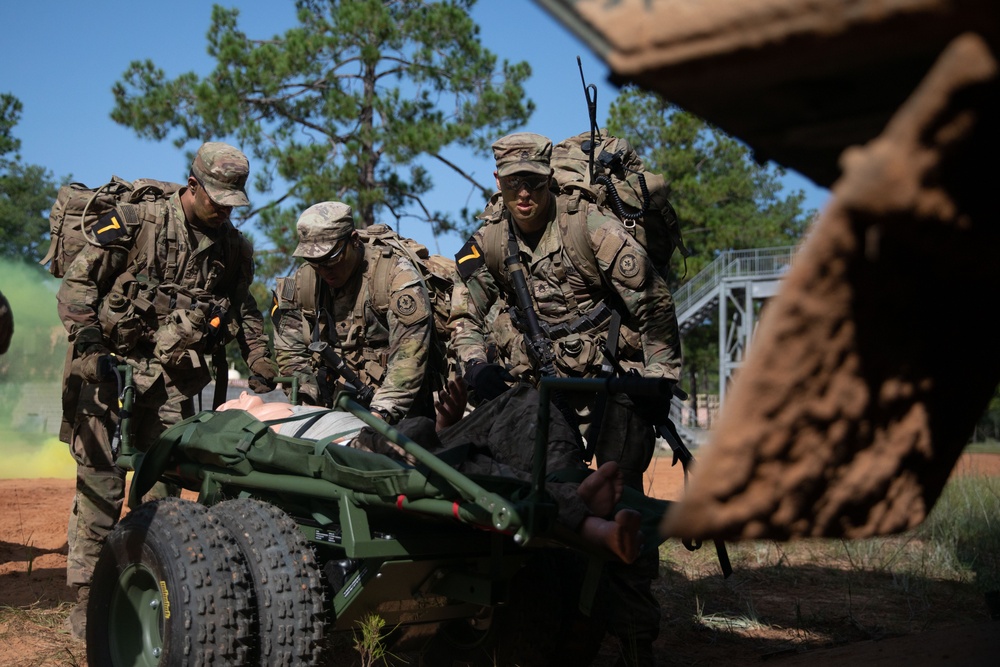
x=47, y=457
x=30, y=378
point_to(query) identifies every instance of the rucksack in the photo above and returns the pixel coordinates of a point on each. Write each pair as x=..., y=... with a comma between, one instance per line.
x=622, y=184
x=78, y=207
x=437, y=272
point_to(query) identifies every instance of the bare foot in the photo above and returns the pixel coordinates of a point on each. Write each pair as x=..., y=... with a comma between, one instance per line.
x=602, y=489
x=621, y=537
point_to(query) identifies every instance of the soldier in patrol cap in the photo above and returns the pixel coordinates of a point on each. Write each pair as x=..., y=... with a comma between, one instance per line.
x=369, y=304
x=163, y=291
x=581, y=267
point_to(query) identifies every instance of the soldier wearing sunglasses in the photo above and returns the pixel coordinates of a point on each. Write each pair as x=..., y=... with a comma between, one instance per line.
x=575, y=295
x=370, y=305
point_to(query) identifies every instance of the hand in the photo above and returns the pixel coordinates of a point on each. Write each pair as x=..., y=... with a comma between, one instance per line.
x=450, y=403
x=96, y=366
x=487, y=380
x=88, y=339
x=263, y=371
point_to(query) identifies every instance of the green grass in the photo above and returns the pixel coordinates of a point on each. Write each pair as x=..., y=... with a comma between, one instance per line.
x=964, y=528
x=810, y=593
x=987, y=447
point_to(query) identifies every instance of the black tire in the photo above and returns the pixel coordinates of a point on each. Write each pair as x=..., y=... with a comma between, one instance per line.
x=287, y=583
x=170, y=588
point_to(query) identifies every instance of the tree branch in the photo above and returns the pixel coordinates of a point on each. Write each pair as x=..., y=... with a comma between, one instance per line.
x=461, y=172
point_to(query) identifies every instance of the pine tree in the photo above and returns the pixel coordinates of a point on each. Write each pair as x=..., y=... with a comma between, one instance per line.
x=27, y=192
x=341, y=107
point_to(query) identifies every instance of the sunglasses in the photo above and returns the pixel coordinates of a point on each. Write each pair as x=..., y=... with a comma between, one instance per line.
x=332, y=257
x=529, y=183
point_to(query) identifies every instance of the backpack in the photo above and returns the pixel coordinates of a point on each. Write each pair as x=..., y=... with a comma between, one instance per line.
x=436, y=271
x=78, y=207
x=623, y=185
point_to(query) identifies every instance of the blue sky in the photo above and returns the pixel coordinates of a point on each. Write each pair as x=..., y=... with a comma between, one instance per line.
x=61, y=59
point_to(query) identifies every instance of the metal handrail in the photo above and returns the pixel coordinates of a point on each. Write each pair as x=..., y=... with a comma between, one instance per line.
x=754, y=263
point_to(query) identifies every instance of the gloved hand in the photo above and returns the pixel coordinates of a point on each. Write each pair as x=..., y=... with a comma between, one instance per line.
x=88, y=339
x=487, y=380
x=97, y=365
x=262, y=374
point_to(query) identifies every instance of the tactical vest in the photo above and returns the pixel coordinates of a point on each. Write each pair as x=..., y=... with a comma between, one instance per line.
x=369, y=358
x=148, y=296
x=578, y=337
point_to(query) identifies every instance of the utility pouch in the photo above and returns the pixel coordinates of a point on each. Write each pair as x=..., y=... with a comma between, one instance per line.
x=124, y=326
x=576, y=354
x=179, y=342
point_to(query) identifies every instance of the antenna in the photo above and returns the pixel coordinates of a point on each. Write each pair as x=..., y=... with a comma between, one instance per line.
x=590, y=92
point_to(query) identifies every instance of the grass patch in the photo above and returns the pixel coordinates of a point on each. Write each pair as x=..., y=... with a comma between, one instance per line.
x=39, y=631
x=812, y=593
x=964, y=526
x=986, y=447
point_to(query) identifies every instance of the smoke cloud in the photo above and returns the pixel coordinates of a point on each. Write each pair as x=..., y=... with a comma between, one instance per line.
x=31, y=377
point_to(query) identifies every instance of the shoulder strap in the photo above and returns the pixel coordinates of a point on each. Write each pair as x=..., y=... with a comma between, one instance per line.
x=151, y=216
x=307, y=288
x=495, y=248
x=576, y=236
x=380, y=278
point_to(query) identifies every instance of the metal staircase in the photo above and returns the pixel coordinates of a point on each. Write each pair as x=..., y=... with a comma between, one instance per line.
x=732, y=289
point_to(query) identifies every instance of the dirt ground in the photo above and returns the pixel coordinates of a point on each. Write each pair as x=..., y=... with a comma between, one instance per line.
x=32, y=577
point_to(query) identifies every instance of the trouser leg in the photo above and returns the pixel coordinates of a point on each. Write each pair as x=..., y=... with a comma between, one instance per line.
x=100, y=484
x=634, y=617
x=97, y=502
x=157, y=409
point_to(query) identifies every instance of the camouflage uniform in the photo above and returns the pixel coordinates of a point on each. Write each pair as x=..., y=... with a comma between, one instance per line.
x=148, y=296
x=384, y=339
x=572, y=307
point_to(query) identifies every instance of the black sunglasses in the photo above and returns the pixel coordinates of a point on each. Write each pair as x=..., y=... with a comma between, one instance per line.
x=530, y=183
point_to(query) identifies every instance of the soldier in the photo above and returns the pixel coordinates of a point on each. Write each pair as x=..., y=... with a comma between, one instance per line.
x=574, y=304
x=162, y=297
x=368, y=303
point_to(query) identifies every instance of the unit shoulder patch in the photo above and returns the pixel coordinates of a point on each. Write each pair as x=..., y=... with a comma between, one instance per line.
x=469, y=258
x=109, y=228
x=410, y=305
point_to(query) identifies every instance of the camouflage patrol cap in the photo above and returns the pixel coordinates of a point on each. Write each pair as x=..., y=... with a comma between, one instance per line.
x=524, y=152
x=321, y=227
x=222, y=170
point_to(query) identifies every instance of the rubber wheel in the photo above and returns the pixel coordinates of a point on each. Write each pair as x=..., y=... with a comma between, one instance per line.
x=287, y=583
x=170, y=588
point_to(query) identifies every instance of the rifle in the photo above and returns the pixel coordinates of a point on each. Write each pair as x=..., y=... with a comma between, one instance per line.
x=538, y=344
x=336, y=364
